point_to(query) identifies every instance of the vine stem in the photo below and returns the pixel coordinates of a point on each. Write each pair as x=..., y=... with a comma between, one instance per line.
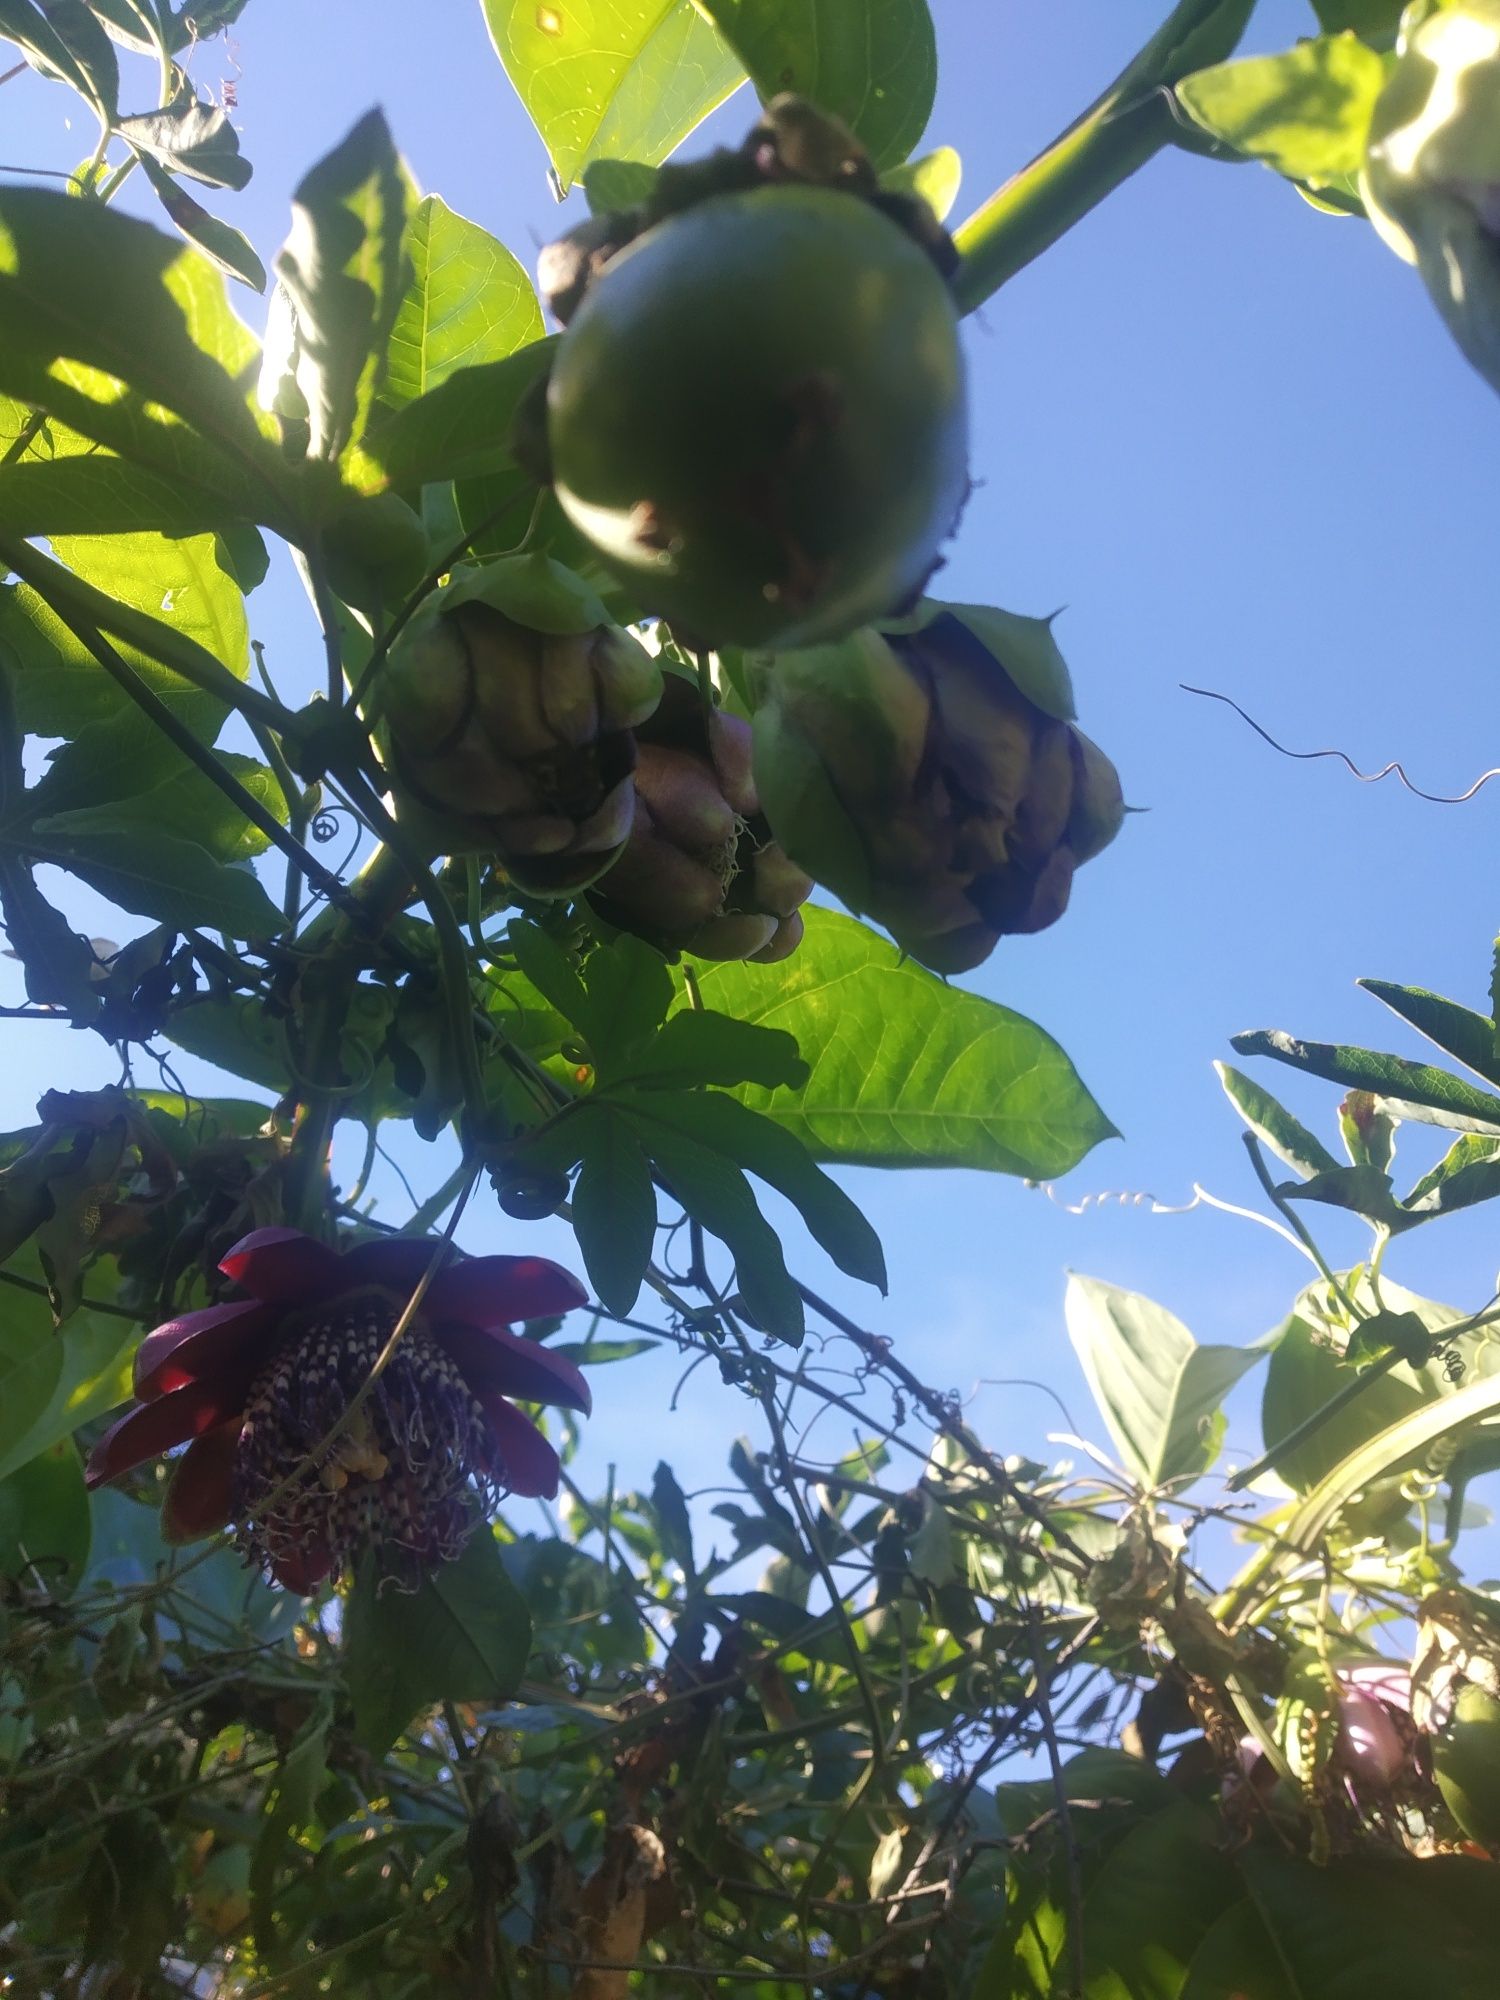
x=1116, y=136
x=70, y=596
x=198, y=754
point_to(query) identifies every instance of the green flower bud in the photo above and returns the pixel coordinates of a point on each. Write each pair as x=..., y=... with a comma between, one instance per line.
x=930, y=775
x=509, y=704
x=701, y=871
x=1431, y=180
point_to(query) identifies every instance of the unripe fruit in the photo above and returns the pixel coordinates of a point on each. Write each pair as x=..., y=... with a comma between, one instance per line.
x=1466, y=1764
x=757, y=417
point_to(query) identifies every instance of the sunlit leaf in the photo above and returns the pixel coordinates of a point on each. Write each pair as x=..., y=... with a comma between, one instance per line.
x=872, y=63
x=1159, y=1392
x=906, y=1070
x=614, y=79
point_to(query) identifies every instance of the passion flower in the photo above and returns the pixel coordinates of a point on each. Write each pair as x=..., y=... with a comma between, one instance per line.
x=701, y=871
x=1431, y=179
x=253, y=1389
x=508, y=703
x=756, y=415
x=929, y=775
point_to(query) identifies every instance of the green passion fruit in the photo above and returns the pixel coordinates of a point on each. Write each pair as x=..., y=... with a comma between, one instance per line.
x=757, y=417
x=1466, y=1763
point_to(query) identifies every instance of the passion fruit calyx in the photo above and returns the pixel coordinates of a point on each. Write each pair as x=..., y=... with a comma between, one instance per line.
x=793, y=142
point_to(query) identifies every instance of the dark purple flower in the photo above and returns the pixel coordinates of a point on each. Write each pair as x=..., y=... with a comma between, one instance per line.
x=253, y=1388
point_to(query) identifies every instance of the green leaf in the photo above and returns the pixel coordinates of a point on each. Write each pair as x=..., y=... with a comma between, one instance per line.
x=154, y=378
x=906, y=1070
x=710, y=1048
x=229, y=247
x=1364, y=1190
x=1305, y=1373
x=63, y=39
x=58, y=964
x=459, y=430
x=936, y=177
x=614, y=1207
x=1416, y=1091
x=1306, y=113
x=342, y=276
x=189, y=137
x=716, y=1194
x=1149, y=1906
x=1468, y=1172
x=463, y=1637
x=1365, y=1927
x=1274, y=1125
x=872, y=63
x=669, y=1504
x=610, y=185
x=61, y=690
x=1457, y=1031
x=547, y=966
x=44, y=1520
x=779, y=1158
x=51, y=1381
x=1237, y=1955
x=467, y=301
x=629, y=992
x=1159, y=1392
x=288, y=1811
x=157, y=875
x=626, y=79
x=190, y=808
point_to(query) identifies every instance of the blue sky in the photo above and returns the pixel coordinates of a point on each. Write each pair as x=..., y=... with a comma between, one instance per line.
x=1232, y=437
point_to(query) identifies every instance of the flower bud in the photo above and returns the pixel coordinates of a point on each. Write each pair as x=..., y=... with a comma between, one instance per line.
x=509, y=704
x=929, y=775
x=701, y=871
x=1431, y=179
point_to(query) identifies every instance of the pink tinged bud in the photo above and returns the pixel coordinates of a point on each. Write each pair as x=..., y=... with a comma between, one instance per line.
x=1018, y=903
x=610, y=826
x=730, y=742
x=1370, y=1746
x=569, y=697
x=787, y=937
x=686, y=803
x=628, y=679
x=1098, y=802
x=508, y=673
x=1044, y=812
x=777, y=883
x=735, y=935
x=958, y=950
x=534, y=833
x=427, y=692
x=659, y=886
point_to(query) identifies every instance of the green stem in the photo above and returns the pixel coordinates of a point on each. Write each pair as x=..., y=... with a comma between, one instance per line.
x=69, y=596
x=199, y=755
x=1311, y=1425
x=1116, y=136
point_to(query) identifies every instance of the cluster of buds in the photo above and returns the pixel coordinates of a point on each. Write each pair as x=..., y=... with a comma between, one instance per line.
x=701, y=871
x=1431, y=179
x=509, y=704
x=930, y=774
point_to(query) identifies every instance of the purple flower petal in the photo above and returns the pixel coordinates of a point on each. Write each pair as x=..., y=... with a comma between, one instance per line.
x=397, y=1261
x=496, y=1291
x=155, y=1427
x=283, y=1267
x=200, y=1489
x=523, y=1460
x=497, y=1360
x=195, y=1344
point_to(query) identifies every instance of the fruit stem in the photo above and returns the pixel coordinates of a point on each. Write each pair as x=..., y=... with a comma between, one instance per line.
x=1102, y=148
